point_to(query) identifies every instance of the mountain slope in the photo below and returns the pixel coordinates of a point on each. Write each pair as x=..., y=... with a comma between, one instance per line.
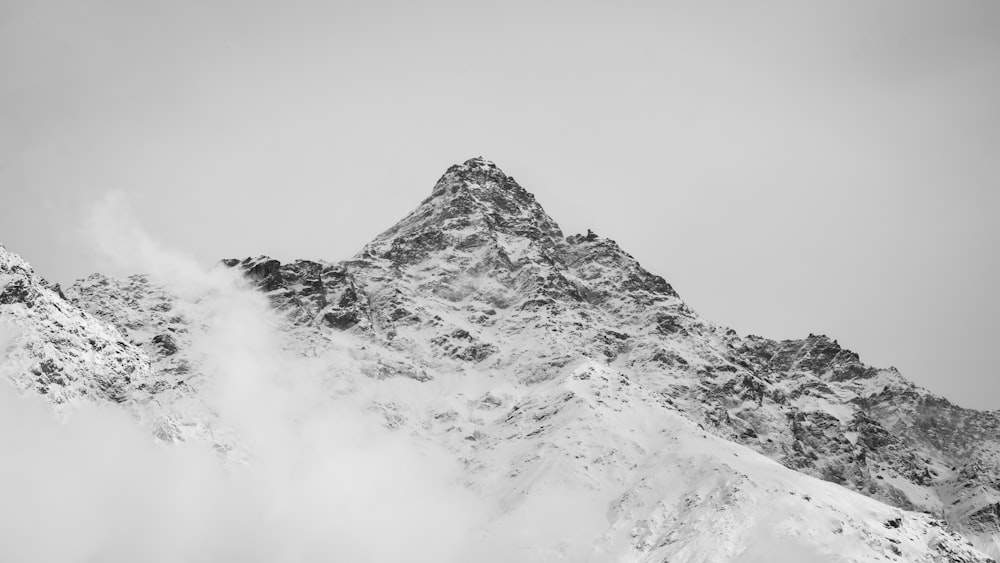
x=559, y=372
x=478, y=277
x=51, y=347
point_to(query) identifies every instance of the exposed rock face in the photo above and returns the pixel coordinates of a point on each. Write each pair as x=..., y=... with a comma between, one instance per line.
x=146, y=315
x=478, y=281
x=479, y=261
x=53, y=348
x=314, y=293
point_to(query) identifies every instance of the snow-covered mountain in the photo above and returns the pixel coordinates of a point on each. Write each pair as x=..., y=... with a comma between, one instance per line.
x=562, y=376
x=53, y=348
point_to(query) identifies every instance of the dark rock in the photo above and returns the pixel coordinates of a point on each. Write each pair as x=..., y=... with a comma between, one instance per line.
x=986, y=519
x=264, y=269
x=18, y=291
x=166, y=344
x=341, y=319
x=54, y=287
x=349, y=298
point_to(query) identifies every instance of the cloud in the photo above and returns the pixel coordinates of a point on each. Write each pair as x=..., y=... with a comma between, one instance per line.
x=128, y=249
x=315, y=477
x=324, y=481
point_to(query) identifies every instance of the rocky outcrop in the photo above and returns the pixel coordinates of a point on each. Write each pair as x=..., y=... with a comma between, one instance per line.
x=51, y=347
x=478, y=281
x=479, y=266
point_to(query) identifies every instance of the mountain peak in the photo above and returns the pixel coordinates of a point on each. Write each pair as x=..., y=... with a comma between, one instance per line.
x=472, y=201
x=478, y=174
x=479, y=161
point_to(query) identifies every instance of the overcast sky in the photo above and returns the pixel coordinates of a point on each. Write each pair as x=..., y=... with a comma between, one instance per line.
x=790, y=167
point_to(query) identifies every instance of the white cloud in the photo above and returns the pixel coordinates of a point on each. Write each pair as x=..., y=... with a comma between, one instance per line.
x=325, y=480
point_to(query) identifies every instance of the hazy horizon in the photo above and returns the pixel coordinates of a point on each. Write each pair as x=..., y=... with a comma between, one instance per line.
x=788, y=168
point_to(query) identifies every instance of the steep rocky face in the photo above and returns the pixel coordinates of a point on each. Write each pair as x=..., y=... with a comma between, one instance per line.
x=477, y=262
x=314, y=293
x=874, y=432
x=49, y=346
x=145, y=314
x=577, y=366
x=479, y=278
x=473, y=205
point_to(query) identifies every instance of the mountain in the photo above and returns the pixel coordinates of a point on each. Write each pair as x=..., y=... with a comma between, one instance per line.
x=545, y=364
x=55, y=349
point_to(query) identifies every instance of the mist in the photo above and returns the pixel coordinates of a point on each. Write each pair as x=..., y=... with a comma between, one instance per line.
x=312, y=473
x=323, y=477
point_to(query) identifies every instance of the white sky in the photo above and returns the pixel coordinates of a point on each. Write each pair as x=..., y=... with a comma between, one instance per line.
x=790, y=167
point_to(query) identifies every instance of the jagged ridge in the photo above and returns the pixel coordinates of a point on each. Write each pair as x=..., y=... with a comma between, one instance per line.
x=480, y=239
x=478, y=281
